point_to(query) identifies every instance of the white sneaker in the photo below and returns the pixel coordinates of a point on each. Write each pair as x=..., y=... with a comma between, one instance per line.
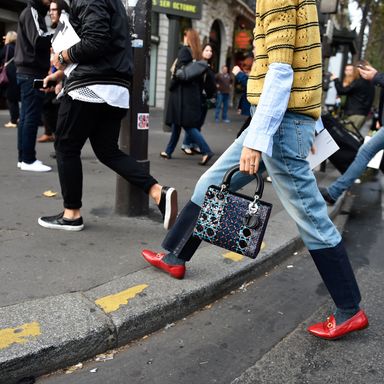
x=19, y=163
x=37, y=166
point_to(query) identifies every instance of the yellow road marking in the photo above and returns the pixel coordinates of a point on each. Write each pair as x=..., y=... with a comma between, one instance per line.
x=19, y=335
x=233, y=256
x=236, y=256
x=113, y=302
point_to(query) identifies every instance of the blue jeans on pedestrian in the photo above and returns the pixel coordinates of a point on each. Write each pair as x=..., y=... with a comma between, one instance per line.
x=194, y=135
x=293, y=180
x=296, y=187
x=30, y=117
x=366, y=152
x=222, y=99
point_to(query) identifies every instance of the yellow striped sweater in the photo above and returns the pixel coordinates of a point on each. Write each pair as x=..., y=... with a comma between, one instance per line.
x=287, y=31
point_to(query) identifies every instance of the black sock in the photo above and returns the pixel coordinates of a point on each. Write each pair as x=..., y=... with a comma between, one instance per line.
x=170, y=258
x=343, y=314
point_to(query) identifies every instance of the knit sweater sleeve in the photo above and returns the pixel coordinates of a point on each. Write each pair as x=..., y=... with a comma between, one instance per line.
x=279, y=24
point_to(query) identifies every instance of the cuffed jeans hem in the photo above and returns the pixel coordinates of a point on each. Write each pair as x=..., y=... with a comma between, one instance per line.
x=148, y=185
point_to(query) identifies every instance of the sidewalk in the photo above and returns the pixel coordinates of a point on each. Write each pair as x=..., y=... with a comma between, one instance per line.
x=65, y=297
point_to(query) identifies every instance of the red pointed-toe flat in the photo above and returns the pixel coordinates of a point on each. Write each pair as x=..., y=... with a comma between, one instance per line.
x=330, y=331
x=156, y=259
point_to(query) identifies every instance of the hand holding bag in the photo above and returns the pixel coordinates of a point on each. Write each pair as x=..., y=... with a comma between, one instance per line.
x=191, y=71
x=231, y=220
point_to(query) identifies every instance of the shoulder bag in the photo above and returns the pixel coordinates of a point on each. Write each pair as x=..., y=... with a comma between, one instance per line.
x=191, y=71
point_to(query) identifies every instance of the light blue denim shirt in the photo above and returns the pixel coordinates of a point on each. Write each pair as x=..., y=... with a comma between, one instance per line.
x=272, y=106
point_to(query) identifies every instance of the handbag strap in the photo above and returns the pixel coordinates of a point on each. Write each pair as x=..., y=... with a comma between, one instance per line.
x=228, y=176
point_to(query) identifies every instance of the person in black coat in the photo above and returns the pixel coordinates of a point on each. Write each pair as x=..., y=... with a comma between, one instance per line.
x=184, y=108
x=359, y=95
x=12, y=90
x=208, y=93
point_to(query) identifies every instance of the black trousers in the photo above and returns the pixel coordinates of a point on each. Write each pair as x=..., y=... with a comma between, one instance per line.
x=100, y=123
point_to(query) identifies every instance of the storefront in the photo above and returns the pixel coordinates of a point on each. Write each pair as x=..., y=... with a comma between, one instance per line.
x=216, y=22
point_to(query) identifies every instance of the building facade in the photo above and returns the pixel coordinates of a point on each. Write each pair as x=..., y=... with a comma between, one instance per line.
x=223, y=23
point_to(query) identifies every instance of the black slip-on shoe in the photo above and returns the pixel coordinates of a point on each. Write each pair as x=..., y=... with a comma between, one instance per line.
x=168, y=206
x=326, y=196
x=60, y=222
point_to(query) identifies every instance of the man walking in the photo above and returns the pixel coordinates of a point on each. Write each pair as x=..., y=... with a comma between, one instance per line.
x=223, y=84
x=95, y=100
x=32, y=62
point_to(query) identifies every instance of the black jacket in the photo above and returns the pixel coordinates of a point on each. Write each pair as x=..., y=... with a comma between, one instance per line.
x=360, y=94
x=33, y=43
x=186, y=101
x=104, y=54
x=379, y=80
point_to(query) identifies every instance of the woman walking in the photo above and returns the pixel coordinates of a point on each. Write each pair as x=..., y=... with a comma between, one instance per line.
x=208, y=92
x=184, y=106
x=280, y=135
x=12, y=90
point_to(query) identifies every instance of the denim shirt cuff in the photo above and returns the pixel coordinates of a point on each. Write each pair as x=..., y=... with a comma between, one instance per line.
x=259, y=141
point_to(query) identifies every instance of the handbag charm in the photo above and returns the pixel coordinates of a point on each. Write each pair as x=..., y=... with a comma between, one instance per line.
x=231, y=220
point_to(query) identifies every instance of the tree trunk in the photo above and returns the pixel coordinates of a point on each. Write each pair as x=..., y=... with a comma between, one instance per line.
x=364, y=22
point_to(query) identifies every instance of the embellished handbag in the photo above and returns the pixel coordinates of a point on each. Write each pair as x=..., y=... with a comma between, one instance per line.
x=231, y=220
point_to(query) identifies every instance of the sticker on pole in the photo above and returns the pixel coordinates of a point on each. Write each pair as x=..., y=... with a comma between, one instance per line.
x=143, y=121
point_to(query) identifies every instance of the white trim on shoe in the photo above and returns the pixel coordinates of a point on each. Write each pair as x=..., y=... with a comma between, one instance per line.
x=170, y=208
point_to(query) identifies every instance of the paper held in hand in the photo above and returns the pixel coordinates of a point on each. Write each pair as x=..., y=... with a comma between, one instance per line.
x=65, y=37
x=376, y=160
x=325, y=146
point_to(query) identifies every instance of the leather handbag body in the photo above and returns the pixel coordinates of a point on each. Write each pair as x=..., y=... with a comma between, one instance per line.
x=3, y=70
x=231, y=220
x=191, y=71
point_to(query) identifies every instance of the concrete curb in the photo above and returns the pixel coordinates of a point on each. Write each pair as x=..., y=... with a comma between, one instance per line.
x=58, y=331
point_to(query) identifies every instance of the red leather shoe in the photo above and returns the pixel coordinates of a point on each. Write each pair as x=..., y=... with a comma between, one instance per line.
x=156, y=259
x=330, y=331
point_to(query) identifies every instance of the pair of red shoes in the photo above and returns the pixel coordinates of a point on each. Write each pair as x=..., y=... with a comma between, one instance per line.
x=326, y=330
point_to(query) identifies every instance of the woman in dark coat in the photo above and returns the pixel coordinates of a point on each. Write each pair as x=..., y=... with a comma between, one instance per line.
x=208, y=92
x=185, y=101
x=12, y=90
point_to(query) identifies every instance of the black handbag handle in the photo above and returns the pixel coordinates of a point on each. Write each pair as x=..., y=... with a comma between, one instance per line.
x=231, y=171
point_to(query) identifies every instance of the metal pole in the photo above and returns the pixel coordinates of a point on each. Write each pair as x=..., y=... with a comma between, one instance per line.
x=173, y=49
x=130, y=200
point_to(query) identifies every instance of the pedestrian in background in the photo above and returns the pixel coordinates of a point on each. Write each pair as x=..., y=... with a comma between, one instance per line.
x=32, y=62
x=241, y=76
x=224, y=85
x=359, y=94
x=208, y=92
x=96, y=99
x=51, y=104
x=11, y=90
x=366, y=152
x=185, y=106
x=287, y=42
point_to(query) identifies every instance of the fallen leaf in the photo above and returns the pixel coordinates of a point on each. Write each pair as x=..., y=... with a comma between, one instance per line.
x=104, y=357
x=49, y=193
x=74, y=368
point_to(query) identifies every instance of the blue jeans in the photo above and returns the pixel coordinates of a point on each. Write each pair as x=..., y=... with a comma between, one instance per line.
x=195, y=136
x=30, y=117
x=293, y=180
x=222, y=99
x=366, y=152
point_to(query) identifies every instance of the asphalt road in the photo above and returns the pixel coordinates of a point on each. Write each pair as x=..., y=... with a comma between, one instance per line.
x=257, y=334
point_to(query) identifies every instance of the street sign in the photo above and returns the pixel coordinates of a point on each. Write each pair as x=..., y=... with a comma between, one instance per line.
x=185, y=8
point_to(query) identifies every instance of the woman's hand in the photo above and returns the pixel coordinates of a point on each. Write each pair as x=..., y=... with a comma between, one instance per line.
x=249, y=160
